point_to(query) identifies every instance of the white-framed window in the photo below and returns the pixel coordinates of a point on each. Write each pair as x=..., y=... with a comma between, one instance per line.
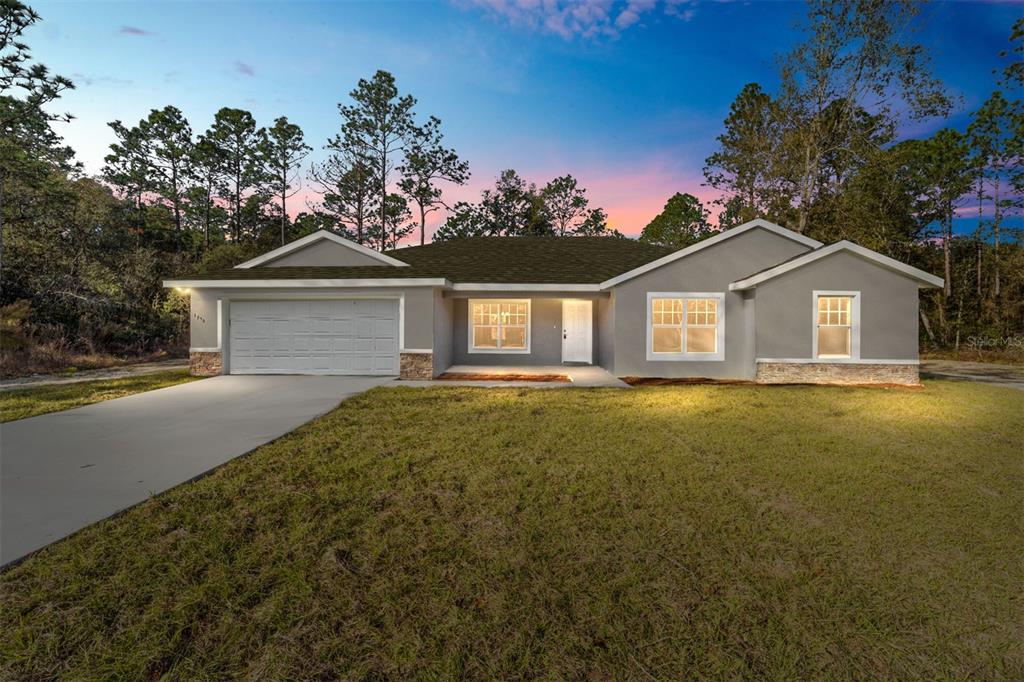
x=836, y=333
x=685, y=325
x=499, y=325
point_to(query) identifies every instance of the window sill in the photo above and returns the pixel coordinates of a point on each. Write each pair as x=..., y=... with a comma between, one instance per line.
x=685, y=357
x=497, y=351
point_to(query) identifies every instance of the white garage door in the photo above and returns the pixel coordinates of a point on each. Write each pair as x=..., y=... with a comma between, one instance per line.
x=350, y=336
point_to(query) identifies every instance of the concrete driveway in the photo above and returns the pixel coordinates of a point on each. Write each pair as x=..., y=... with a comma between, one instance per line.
x=1011, y=376
x=60, y=472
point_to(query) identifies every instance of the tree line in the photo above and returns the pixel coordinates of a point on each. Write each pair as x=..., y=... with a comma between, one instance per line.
x=82, y=258
x=823, y=155
x=382, y=177
x=233, y=181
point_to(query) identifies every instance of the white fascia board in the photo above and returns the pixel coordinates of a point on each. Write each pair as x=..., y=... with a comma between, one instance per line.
x=711, y=241
x=525, y=287
x=921, y=276
x=302, y=283
x=315, y=237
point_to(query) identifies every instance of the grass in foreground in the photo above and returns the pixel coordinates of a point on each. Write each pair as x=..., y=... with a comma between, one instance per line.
x=670, y=533
x=20, y=403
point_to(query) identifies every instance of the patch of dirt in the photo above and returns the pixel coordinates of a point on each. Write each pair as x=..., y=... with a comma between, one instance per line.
x=469, y=376
x=686, y=381
x=39, y=363
x=113, y=372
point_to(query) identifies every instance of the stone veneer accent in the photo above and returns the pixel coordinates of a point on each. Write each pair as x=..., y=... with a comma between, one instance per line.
x=204, y=363
x=836, y=373
x=416, y=366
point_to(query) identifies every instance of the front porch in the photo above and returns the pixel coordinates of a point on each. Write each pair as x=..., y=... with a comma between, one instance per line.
x=579, y=376
x=520, y=330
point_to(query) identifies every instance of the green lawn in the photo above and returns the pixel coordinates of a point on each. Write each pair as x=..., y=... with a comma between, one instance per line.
x=29, y=402
x=668, y=533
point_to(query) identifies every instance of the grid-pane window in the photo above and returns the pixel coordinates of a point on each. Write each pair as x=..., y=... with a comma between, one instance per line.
x=684, y=325
x=500, y=325
x=701, y=325
x=834, y=326
x=667, y=325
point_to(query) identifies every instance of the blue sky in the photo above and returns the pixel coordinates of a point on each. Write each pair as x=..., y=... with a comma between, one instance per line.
x=627, y=95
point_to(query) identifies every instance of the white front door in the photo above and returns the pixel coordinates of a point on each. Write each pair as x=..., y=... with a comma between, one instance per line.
x=577, y=331
x=318, y=336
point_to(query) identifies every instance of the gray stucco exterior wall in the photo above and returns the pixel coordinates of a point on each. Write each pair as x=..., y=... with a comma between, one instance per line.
x=443, y=315
x=708, y=270
x=323, y=253
x=888, y=309
x=203, y=323
x=545, y=331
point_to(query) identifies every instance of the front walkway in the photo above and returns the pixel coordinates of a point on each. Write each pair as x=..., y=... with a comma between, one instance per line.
x=580, y=376
x=1011, y=376
x=63, y=471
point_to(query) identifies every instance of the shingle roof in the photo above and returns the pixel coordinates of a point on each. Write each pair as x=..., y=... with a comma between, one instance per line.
x=486, y=260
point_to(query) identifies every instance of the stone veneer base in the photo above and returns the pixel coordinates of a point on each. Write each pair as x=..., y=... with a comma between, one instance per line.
x=836, y=373
x=416, y=366
x=204, y=363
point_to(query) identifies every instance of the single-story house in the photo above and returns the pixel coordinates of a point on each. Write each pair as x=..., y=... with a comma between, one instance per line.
x=756, y=302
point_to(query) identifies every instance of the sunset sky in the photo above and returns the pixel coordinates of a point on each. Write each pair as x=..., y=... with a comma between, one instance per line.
x=626, y=96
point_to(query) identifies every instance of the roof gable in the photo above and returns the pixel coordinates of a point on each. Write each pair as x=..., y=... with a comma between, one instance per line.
x=370, y=256
x=722, y=236
x=923, y=278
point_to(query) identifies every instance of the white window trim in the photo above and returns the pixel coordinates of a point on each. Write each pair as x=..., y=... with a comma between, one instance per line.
x=854, y=325
x=717, y=356
x=498, y=351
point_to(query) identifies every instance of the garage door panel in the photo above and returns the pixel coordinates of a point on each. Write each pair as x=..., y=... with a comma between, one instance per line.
x=314, y=337
x=321, y=343
x=382, y=329
x=325, y=308
x=343, y=327
x=343, y=345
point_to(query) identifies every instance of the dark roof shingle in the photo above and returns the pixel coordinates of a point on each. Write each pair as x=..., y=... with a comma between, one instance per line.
x=487, y=260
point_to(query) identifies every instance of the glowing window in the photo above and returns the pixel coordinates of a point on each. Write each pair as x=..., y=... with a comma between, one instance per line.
x=685, y=327
x=667, y=325
x=499, y=326
x=835, y=326
x=701, y=325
